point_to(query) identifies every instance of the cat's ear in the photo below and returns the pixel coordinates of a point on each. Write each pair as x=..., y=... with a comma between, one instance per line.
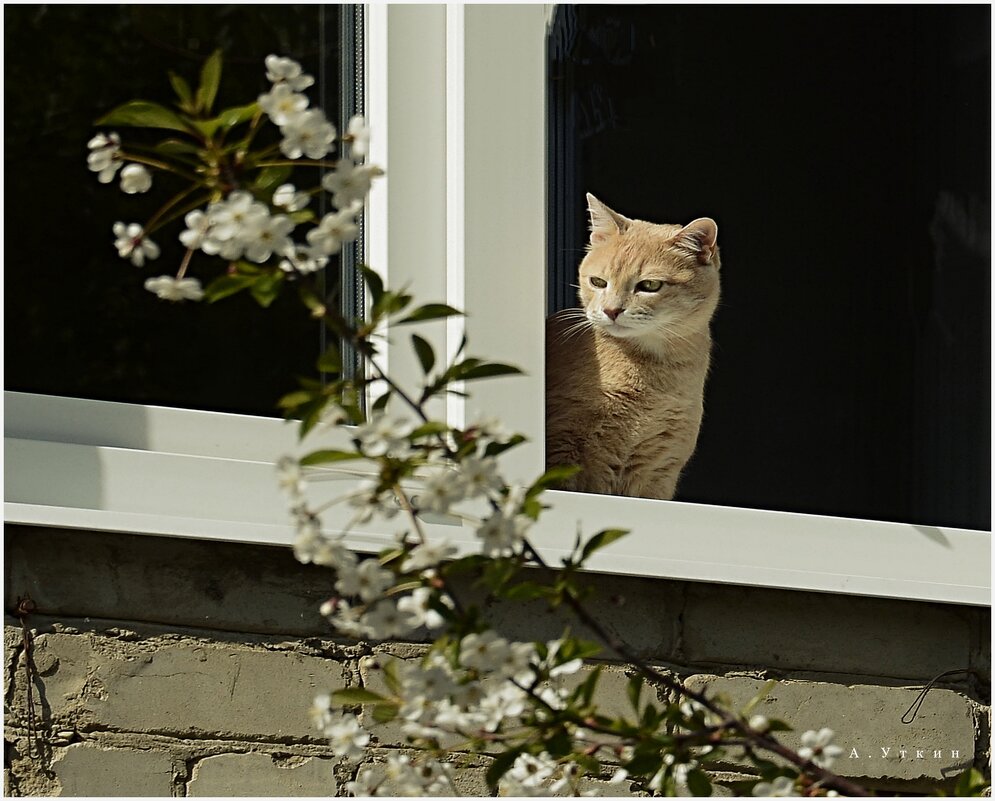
x=604, y=221
x=698, y=237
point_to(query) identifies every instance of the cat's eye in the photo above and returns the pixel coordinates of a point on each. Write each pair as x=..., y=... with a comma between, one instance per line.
x=598, y=283
x=650, y=285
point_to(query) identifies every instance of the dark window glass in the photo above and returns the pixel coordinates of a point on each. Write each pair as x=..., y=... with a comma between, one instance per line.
x=78, y=320
x=845, y=153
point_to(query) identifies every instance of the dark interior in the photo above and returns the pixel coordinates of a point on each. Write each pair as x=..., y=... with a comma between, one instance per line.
x=845, y=153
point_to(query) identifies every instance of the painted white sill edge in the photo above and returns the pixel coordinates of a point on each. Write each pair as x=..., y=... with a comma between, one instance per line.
x=185, y=488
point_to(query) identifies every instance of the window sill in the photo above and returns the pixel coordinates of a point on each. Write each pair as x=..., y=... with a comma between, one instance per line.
x=162, y=475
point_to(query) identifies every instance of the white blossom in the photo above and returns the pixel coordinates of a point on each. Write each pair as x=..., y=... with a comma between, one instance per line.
x=269, y=235
x=350, y=182
x=105, y=156
x=503, y=532
x=289, y=476
x=344, y=617
x=288, y=71
x=308, y=134
x=486, y=651
x=433, y=683
x=346, y=736
x=334, y=229
x=131, y=243
x=499, y=702
x=480, y=475
x=382, y=435
x=168, y=287
x=552, y=657
x=234, y=223
x=369, y=502
x=198, y=224
x=781, y=787
x=302, y=259
x=818, y=746
x=441, y=490
x=760, y=723
x=289, y=199
x=368, y=581
x=365, y=785
x=428, y=554
x=311, y=546
x=358, y=137
x=419, y=613
x=384, y=621
x=135, y=179
x=282, y=104
x=531, y=771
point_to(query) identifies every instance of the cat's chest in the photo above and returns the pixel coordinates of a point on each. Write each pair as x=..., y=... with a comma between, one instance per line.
x=641, y=406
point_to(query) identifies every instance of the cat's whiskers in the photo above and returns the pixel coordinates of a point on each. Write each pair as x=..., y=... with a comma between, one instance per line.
x=576, y=323
x=575, y=329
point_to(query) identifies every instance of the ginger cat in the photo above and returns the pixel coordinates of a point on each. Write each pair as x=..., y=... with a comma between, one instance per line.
x=625, y=375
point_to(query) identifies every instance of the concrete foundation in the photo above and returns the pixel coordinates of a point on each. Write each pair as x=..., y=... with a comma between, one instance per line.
x=170, y=667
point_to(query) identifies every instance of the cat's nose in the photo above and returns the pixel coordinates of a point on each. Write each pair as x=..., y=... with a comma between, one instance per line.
x=612, y=313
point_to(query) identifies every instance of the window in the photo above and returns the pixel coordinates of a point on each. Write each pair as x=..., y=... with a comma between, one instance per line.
x=844, y=153
x=81, y=324
x=460, y=93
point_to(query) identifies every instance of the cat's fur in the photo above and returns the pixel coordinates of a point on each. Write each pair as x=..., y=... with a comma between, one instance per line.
x=624, y=395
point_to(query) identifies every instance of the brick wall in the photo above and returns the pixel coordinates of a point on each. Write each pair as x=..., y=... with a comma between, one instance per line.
x=170, y=667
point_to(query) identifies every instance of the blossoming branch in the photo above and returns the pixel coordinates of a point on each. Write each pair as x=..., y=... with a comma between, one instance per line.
x=237, y=203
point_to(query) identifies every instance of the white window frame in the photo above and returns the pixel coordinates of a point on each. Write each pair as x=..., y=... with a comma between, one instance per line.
x=459, y=92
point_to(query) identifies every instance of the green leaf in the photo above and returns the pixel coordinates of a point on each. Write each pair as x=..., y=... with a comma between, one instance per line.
x=495, y=448
x=431, y=428
x=698, y=783
x=600, y=540
x=559, y=745
x=357, y=695
x=585, y=692
x=302, y=216
x=210, y=78
x=328, y=456
x=501, y=765
x=489, y=370
x=430, y=311
x=527, y=591
x=182, y=89
x=764, y=692
x=634, y=691
x=330, y=361
x=426, y=356
x=381, y=403
x=374, y=283
x=971, y=783
x=552, y=477
x=266, y=288
x=294, y=399
x=384, y=713
x=269, y=178
x=645, y=761
x=178, y=147
x=226, y=285
x=144, y=114
x=389, y=303
x=574, y=647
x=498, y=573
x=231, y=117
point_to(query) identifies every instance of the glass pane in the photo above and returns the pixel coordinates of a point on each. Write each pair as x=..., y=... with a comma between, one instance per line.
x=78, y=321
x=845, y=154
